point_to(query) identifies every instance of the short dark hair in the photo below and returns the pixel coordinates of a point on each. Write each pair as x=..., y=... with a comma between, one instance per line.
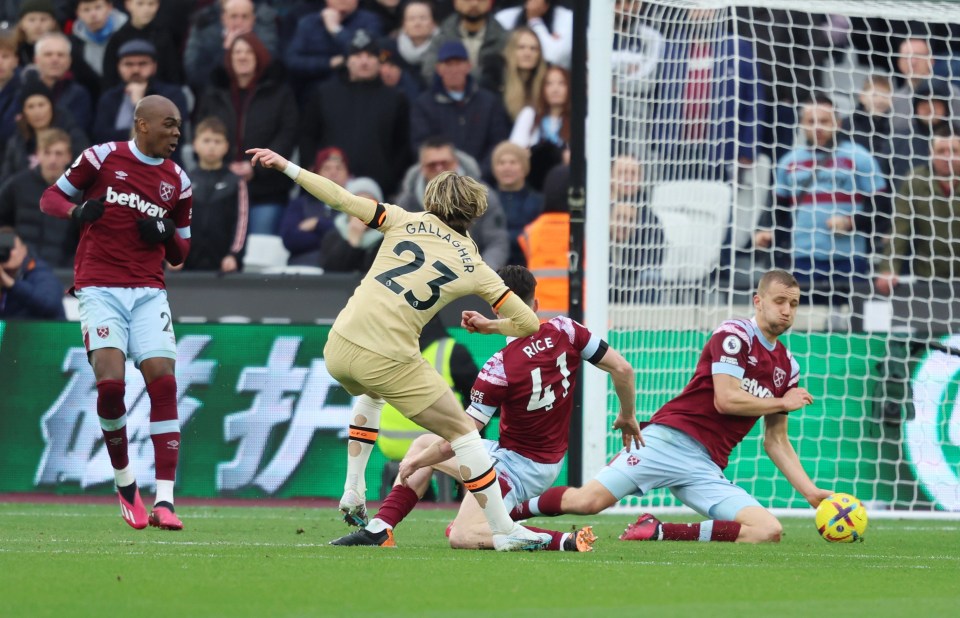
x=947, y=130
x=820, y=98
x=212, y=124
x=520, y=281
x=437, y=141
x=776, y=276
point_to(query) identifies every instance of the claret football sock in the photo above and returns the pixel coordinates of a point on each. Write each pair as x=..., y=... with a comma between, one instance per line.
x=113, y=422
x=164, y=428
x=364, y=428
x=397, y=505
x=712, y=530
x=546, y=504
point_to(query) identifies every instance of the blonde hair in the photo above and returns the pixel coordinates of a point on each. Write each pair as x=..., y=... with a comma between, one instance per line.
x=782, y=277
x=457, y=200
x=509, y=148
x=520, y=92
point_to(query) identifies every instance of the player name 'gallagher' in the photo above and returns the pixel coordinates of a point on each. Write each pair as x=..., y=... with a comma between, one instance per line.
x=428, y=228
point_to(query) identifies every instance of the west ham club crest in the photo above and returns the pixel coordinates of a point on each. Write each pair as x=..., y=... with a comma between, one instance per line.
x=166, y=191
x=103, y=332
x=779, y=375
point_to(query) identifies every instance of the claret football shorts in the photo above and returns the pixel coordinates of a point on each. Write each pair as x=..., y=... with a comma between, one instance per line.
x=136, y=321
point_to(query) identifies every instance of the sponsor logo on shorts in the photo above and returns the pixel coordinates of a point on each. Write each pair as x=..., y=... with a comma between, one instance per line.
x=103, y=332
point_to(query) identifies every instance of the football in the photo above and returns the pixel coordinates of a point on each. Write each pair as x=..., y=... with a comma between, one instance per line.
x=841, y=518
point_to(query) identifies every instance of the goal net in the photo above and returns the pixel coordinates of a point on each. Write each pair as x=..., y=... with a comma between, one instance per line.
x=817, y=137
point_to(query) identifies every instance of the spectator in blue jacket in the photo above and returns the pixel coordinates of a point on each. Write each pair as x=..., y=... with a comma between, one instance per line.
x=307, y=220
x=28, y=287
x=322, y=41
x=825, y=184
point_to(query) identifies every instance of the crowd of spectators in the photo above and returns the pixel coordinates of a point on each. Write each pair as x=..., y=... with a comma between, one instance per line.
x=383, y=95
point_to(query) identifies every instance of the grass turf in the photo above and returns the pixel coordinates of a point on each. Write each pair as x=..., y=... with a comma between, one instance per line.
x=82, y=560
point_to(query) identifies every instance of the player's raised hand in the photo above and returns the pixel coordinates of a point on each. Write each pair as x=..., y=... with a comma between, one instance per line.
x=796, y=398
x=629, y=430
x=267, y=158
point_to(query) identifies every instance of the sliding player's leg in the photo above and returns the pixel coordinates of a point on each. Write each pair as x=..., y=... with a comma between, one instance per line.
x=399, y=502
x=446, y=418
x=470, y=530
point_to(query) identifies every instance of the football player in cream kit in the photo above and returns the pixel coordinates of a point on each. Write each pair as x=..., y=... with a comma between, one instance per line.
x=426, y=260
x=135, y=214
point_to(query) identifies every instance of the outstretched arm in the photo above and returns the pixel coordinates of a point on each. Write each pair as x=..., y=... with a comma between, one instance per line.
x=323, y=189
x=621, y=372
x=518, y=319
x=777, y=445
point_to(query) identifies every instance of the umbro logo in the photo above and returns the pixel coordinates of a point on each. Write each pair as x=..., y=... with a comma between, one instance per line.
x=173, y=445
x=121, y=175
x=752, y=360
x=116, y=441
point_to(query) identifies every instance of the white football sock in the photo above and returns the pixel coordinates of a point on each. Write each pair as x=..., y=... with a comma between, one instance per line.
x=164, y=492
x=476, y=469
x=364, y=426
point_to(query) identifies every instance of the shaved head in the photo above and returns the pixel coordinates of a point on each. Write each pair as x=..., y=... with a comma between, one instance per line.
x=156, y=122
x=155, y=106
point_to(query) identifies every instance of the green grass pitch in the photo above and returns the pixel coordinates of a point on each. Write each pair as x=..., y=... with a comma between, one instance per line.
x=82, y=560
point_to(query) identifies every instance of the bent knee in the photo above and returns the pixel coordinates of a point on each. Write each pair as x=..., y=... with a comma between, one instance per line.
x=762, y=532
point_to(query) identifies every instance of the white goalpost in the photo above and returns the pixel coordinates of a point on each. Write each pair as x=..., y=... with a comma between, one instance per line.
x=728, y=137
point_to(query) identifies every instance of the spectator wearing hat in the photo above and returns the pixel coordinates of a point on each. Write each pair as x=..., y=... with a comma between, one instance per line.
x=471, y=117
x=396, y=73
x=482, y=36
x=322, y=40
x=351, y=246
x=215, y=28
x=307, y=220
x=358, y=113
x=9, y=87
x=251, y=96
x=137, y=68
x=51, y=58
x=37, y=112
x=97, y=21
x=37, y=17
x=143, y=24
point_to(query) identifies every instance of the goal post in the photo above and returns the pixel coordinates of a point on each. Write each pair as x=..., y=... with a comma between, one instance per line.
x=728, y=137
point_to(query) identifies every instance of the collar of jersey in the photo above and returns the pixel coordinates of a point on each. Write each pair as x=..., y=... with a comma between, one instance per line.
x=763, y=340
x=144, y=158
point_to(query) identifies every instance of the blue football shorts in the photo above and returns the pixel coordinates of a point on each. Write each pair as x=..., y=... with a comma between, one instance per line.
x=674, y=460
x=136, y=321
x=525, y=478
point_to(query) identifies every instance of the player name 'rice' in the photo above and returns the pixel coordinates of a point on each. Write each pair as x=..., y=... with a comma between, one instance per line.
x=428, y=228
x=134, y=201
